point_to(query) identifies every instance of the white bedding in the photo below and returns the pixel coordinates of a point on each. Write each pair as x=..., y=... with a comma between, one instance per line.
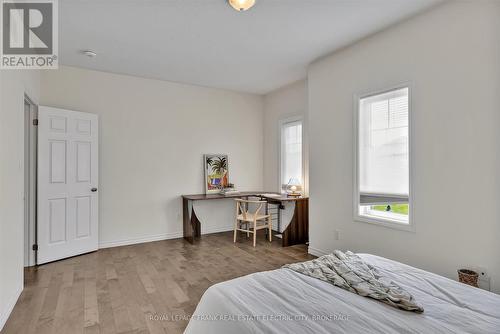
x=284, y=301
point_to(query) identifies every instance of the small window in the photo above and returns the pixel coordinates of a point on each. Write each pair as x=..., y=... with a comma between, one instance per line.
x=291, y=152
x=383, y=160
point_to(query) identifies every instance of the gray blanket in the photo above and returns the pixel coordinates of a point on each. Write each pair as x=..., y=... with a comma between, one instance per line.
x=348, y=271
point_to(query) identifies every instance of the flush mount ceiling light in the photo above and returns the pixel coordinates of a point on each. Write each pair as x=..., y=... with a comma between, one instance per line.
x=241, y=5
x=89, y=53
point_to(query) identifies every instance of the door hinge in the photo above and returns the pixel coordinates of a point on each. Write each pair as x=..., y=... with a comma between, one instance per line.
x=35, y=247
x=35, y=122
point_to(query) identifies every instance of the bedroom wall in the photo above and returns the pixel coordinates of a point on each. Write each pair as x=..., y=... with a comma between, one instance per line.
x=280, y=104
x=153, y=135
x=13, y=85
x=451, y=55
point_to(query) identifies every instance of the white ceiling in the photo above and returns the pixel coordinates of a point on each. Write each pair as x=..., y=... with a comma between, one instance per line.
x=206, y=42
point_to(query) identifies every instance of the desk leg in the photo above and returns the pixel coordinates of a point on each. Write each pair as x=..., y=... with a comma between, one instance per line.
x=297, y=231
x=190, y=223
x=267, y=212
x=278, y=223
x=195, y=223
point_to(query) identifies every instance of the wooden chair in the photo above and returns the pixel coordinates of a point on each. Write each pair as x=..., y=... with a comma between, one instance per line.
x=256, y=220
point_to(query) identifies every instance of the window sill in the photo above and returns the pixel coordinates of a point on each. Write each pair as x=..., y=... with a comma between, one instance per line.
x=394, y=224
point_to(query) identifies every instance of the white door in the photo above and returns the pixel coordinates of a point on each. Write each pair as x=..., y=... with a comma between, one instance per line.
x=67, y=183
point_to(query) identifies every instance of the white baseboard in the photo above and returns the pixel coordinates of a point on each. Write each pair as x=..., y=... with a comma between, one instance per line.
x=133, y=241
x=158, y=237
x=316, y=251
x=217, y=229
x=10, y=305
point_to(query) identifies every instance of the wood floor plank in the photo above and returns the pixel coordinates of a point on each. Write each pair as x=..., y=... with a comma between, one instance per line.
x=145, y=288
x=91, y=312
x=106, y=318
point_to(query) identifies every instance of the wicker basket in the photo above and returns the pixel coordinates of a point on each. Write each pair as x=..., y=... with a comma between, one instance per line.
x=468, y=277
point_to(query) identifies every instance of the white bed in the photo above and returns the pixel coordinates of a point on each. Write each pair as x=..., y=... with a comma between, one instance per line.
x=284, y=301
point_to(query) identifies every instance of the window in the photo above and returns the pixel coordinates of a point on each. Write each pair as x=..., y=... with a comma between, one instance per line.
x=383, y=160
x=291, y=152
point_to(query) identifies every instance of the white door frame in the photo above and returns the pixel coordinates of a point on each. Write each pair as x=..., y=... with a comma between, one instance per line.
x=30, y=177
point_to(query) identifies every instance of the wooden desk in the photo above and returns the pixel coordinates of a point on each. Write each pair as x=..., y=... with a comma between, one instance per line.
x=297, y=231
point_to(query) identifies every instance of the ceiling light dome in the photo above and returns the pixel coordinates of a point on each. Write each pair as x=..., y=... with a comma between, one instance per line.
x=89, y=53
x=241, y=5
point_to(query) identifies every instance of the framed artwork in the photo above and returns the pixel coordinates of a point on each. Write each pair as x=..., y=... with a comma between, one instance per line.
x=216, y=172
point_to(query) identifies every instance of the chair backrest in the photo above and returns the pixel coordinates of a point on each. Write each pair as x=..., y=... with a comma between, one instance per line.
x=242, y=207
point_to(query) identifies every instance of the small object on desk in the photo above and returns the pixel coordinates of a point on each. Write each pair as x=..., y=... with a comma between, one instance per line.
x=292, y=186
x=270, y=195
x=229, y=190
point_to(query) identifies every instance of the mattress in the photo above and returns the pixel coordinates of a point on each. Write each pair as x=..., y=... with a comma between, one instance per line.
x=284, y=301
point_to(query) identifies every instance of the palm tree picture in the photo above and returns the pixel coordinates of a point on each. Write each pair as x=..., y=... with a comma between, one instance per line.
x=216, y=172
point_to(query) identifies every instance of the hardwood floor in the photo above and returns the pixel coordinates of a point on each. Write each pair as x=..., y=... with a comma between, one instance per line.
x=144, y=288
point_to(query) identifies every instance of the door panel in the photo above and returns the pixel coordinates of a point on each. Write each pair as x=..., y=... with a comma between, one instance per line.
x=57, y=155
x=57, y=220
x=83, y=161
x=83, y=217
x=83, y=126
x=67, y=172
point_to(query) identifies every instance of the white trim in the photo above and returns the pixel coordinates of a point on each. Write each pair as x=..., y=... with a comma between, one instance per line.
x=410, y=227
x=140, y=240
x=217, y=229
x=10, y=306
x=316, y=251
x=158, y=237
x=281, y=122
x=30, y=184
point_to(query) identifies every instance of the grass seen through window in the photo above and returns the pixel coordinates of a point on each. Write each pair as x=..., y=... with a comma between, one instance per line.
x=396, y=208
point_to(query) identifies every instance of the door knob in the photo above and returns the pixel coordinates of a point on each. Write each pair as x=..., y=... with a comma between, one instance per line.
x=93, y=190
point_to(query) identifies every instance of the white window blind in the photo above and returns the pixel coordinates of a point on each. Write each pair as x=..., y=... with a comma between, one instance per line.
x=291, y=151
x=383, y=144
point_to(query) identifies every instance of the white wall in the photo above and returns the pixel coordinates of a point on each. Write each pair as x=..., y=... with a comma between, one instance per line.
x=283, y=103
x=153, y=135
x=13, y=86
x=452, y=57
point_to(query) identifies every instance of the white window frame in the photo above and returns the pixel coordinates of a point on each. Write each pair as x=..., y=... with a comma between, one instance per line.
x=281, y=123
x=386, y=222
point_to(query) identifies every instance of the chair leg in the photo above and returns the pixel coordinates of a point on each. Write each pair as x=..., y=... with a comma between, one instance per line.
x=270, y=228
x=248, y=233
x=254, y=233
x=235, y=231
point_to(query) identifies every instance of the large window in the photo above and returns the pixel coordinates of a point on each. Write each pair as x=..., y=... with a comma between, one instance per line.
x=291, y=152
x=383, y=160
